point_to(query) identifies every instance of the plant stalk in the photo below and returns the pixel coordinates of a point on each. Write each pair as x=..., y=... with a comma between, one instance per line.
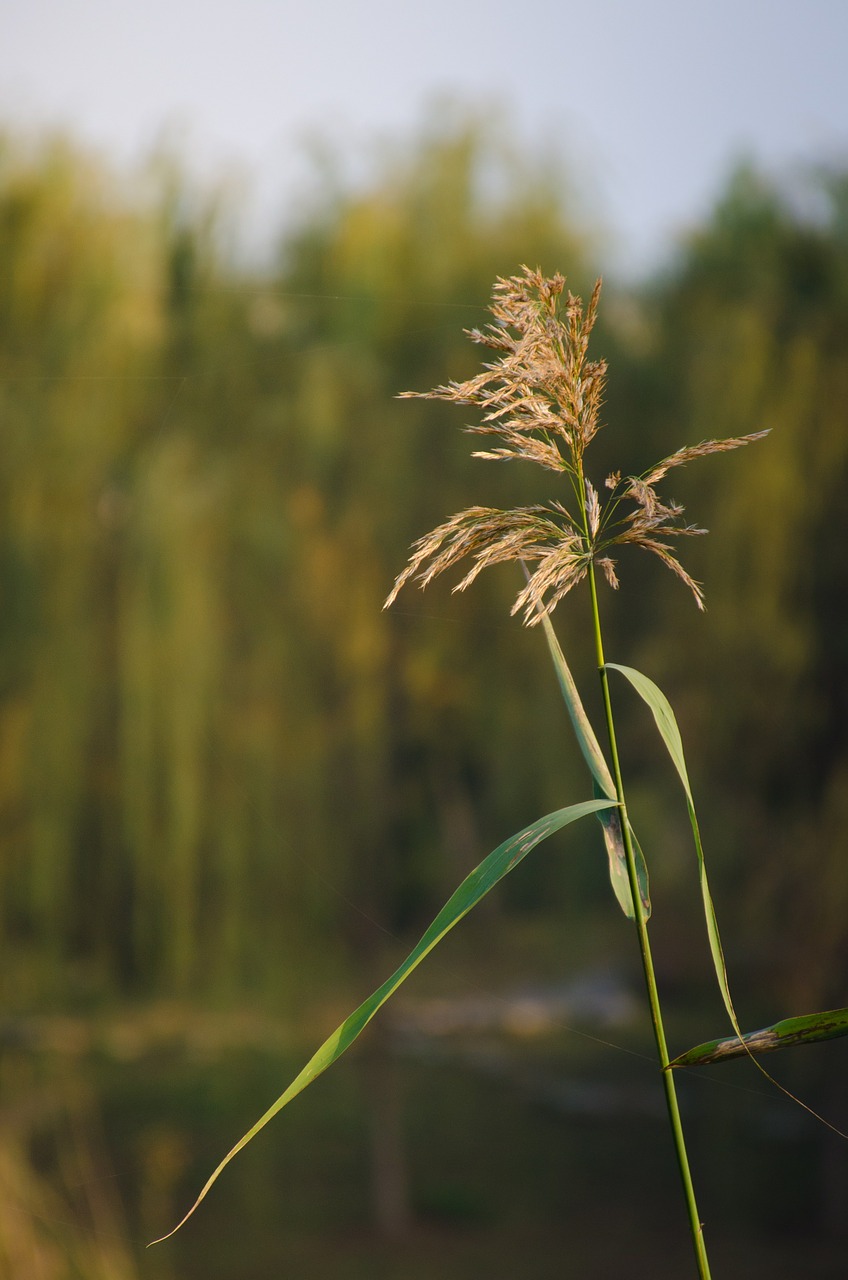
x=695, y=1224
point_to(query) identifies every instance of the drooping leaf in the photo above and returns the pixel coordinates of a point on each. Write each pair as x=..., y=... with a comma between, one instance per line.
x=474, y=887
x=585, y=734
x=603, y=784
x=666, y=722
x=617, y=858
x=641, y=868
x=670, y=733
x=807, y=1029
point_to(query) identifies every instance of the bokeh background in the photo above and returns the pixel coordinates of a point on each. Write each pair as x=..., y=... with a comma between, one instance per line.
x=233, y=791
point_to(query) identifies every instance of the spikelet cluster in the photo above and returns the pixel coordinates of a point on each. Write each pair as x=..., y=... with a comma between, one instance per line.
x=541, y=400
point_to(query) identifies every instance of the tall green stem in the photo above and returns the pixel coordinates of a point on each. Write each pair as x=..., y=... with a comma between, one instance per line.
x=647, y=959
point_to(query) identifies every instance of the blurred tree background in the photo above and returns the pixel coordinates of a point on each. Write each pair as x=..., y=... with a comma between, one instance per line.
x=211, y=734
x=225, y=773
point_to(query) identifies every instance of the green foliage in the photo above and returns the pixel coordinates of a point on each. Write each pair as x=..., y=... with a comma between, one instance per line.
x=473, y=889
x=211, y=739
x=220, y=763
x=809, y=1028
x=604, y=785
x=749, y=329
x=666, y=723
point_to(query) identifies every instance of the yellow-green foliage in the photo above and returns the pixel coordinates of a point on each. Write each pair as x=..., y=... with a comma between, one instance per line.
x=211, y=737
x=752, y=331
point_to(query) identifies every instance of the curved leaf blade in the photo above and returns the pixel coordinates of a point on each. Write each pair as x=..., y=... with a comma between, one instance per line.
x=583, y=731
x=670, y=733
x=641, y=869
x=475, y=886
x=666, y=723
x=603, y=784
x=664, y=716
x=806, y=1029
x=619, y=878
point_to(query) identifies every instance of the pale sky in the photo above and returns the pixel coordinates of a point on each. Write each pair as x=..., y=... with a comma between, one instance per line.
x=652, y=100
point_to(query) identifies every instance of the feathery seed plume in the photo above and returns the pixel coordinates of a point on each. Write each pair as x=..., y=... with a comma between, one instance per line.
x=541, y=400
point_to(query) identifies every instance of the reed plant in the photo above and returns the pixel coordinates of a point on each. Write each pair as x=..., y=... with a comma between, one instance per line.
x=539, y=400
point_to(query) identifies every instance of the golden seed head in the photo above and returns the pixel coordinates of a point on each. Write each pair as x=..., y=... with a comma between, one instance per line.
x=541, y=398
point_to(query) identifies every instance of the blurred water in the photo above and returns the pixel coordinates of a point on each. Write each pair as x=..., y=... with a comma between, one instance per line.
x=540, y=1153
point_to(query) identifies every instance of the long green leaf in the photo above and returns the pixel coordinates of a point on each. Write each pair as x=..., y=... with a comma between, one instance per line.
x=504, y=859
x=807, y=1029
x=670, y=734
x=583, y=731
x=663, y=715
x=603, y=784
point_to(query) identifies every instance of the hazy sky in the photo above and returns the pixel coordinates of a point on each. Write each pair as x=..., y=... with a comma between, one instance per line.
x=652, y=99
